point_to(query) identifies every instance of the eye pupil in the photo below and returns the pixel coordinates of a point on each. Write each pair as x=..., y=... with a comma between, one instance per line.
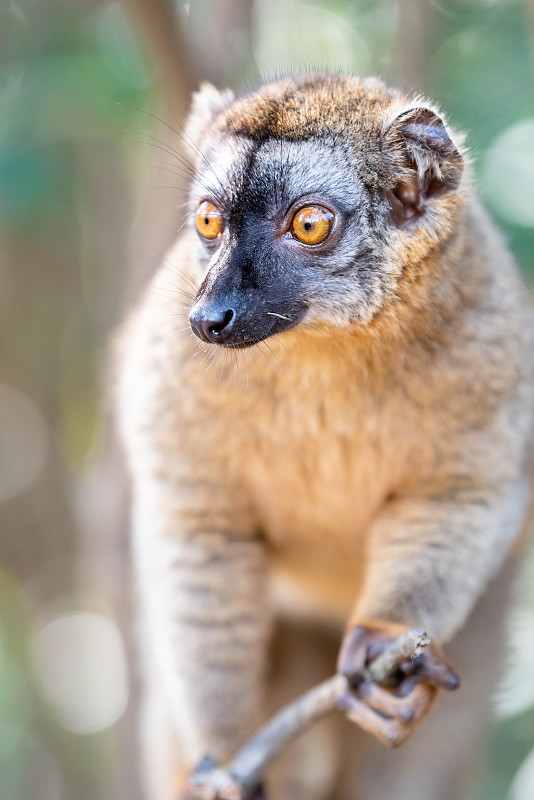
x=308, y=226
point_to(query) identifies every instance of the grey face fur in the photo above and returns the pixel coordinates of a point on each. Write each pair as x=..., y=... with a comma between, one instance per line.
x=271, y=281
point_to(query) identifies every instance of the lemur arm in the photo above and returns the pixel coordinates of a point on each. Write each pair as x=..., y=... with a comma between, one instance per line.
x=429, y=559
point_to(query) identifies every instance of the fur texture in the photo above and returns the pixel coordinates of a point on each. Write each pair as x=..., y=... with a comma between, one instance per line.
x=359, y=450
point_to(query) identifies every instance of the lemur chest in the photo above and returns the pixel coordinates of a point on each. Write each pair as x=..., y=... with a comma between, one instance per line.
x=318, y=472
x=318, y=469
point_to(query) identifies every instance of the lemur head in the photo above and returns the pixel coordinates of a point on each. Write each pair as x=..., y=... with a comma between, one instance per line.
x=313, y=199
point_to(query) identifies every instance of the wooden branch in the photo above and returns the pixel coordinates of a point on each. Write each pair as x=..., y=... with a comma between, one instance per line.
x=239, y=779
x=407, y=647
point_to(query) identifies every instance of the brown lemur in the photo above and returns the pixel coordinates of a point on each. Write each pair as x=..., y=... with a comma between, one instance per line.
x=326, y=400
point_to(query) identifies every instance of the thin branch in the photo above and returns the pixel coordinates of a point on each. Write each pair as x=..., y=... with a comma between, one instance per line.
x=239, y=779
x=383, y=669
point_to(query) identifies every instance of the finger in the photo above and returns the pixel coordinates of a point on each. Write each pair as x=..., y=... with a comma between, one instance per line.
x=391, y=732
x=353, y=654
x=409, y=709
x=432, y=668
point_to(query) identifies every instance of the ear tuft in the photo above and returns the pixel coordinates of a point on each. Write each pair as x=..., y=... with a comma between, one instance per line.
x=425, y=161
x=206, y=105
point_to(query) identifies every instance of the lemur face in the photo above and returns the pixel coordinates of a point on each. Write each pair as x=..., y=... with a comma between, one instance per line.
x=285, y=236
x=295, y=225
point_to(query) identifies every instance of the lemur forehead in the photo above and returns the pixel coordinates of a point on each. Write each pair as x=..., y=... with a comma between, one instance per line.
x=291, y=169
x=279, y=172
x=309, y=107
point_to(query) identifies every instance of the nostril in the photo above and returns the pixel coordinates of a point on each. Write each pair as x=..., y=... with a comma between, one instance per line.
x=217, y=327
x=212, y=325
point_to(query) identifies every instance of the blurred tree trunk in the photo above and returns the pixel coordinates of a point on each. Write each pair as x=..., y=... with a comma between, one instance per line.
x=158, y=28
x=412, y=54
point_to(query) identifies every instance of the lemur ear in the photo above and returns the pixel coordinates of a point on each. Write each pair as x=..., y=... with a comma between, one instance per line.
x=424, y=159
x=206, y=104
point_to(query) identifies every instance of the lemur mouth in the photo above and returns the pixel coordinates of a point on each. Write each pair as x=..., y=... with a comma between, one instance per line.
x=237, y=331
x=280, y=324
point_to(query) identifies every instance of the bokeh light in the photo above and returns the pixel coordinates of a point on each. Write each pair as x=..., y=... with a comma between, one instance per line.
x=523, y=783
x=507, y=174
x=80, y=666
x=516, y=691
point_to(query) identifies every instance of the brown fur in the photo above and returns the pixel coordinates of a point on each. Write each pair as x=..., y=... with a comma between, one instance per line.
x=375, y=470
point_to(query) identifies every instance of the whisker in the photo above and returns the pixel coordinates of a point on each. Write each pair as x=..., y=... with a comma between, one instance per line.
x=271, y=351
x=185, y=136
x=280, y=343
x=170, y=150
x=171, y=290
x=173, y=314
x=158, y=145
x=182, y=133
x=172, y=298
x=280, y=316
x=192, y=175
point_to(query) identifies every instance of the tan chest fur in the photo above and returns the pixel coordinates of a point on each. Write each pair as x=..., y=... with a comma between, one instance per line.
x=322, y=444
x=304, y=435
x=316, y=481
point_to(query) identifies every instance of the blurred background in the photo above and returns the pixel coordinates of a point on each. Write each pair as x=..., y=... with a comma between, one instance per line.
x=87, y=208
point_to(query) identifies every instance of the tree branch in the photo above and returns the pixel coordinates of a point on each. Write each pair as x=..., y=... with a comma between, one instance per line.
x=239, y=779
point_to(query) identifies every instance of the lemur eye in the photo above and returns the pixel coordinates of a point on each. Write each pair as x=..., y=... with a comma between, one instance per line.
x=209, y=220
x=312, y=224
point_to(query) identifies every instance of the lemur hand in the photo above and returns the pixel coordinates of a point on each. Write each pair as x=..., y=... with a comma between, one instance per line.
x=390, y=713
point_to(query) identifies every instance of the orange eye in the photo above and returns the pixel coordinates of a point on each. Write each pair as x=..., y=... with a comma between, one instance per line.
x=209, y=221
x=312, y=224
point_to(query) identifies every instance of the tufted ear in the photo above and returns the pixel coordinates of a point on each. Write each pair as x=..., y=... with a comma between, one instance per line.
x=424, y=160
x=206, y=104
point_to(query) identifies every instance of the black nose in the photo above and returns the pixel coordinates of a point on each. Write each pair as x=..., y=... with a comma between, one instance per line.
x=212, y=325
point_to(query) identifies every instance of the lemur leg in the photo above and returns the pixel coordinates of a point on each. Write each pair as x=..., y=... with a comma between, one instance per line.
x=439, y=760
x=206, y=616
